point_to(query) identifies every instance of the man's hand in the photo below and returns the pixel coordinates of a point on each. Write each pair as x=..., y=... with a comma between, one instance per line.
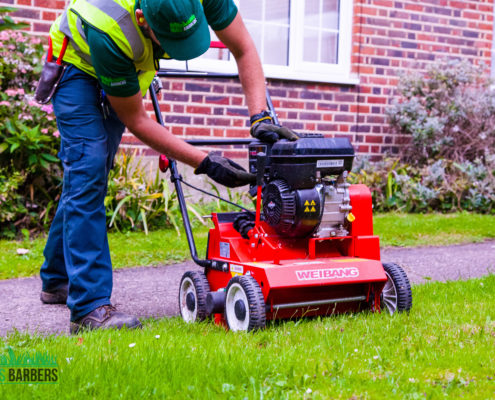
x=263, y=128
x=224, y=171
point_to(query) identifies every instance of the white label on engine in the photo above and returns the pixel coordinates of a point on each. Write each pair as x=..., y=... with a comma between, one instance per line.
x=238, y=269
x=224, y=249
x=329, y=163
x=327, y=273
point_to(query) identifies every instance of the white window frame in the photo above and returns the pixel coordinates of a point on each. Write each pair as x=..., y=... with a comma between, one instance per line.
x=297, y=68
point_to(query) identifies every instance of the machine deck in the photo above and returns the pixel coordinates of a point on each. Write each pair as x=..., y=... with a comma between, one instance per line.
x=301, y=276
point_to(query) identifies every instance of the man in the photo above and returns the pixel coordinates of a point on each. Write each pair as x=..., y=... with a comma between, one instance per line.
x=112, y=56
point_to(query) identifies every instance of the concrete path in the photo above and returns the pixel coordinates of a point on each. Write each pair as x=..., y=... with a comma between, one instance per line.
x=153, y=291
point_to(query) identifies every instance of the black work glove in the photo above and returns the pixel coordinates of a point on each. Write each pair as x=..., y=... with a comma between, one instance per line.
x=263, y=128
x=224, y=171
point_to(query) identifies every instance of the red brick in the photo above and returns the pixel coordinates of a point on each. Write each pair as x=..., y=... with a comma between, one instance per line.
x=177, y=85
x=164, y=107
x=374, y=139
x=292, y=104
x=238, y=132
x=48, y=16
x=177, y=130
x=196, y=131
x=377, y=100
x=46, y=3
x=26, y=13
x=198, y=110
x=236, y=101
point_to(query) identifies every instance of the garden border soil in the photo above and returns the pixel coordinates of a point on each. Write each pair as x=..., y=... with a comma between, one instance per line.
x=151, y=292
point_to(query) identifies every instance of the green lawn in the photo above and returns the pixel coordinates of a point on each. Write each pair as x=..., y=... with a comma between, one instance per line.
x=433, y=229
x=165, y=247
x=442, y=349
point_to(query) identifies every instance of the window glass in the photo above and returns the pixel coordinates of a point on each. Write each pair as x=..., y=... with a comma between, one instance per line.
x=296, y=39
x=268, y=23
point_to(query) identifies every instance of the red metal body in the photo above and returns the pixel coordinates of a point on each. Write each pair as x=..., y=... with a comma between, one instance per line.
x=328, y=275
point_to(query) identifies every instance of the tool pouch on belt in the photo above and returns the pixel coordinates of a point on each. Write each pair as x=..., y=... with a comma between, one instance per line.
x=51, y=74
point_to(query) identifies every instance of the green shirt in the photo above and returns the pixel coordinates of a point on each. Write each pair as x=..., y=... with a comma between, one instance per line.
x=116, y=72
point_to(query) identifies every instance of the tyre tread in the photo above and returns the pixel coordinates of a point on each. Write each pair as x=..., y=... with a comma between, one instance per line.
x=255, y=298
x=402, y=286
x=202, y=288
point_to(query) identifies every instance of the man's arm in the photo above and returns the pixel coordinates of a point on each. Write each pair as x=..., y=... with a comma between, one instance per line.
x=132, y=113
x=222, y=170
x=239, y=42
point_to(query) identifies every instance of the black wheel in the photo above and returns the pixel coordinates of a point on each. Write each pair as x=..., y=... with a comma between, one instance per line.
x=192, y=296
x=244, y=304
x=396, y=295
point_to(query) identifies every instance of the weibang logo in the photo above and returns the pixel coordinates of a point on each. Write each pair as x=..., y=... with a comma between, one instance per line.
x=327, y=273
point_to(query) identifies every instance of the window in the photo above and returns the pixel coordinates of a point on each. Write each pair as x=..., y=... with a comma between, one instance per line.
x=296, y=39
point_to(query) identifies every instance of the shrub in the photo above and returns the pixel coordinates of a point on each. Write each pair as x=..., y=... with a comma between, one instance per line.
x=6, y=22
x=449, y=112
x=141, y=200
x=28, y=138
x=441, y=185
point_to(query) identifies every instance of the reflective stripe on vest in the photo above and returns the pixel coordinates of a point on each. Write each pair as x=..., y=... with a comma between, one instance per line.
x=64, y=28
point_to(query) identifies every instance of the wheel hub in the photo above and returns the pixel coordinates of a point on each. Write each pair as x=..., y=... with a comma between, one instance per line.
x=190, y=301
x=240, y=310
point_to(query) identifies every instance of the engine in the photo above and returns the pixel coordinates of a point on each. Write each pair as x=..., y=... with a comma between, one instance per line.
x=305, y=191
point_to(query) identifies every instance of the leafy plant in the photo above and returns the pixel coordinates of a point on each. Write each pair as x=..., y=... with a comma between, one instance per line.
x=6, y=21
x=29, y=139
x=140, y=199
x=440, y=185
x=448, y=112
x=11, y=203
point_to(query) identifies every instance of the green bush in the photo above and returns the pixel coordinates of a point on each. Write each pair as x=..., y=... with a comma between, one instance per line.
x=138, y=199
x=29, y=141
x=448, y=112
x=441, y=185
x=6, y=22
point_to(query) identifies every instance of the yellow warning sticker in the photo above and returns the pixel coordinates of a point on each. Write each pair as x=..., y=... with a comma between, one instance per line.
x=306, y=209
x=313, y=203
x=313, y=209
x=351, y=217
x=306, y=203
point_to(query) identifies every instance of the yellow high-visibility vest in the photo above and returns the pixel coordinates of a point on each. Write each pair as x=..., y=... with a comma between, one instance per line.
x=114, y=17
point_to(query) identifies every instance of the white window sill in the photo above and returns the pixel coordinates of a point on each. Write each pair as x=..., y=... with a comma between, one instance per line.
x=314, y=77
x=271, y=72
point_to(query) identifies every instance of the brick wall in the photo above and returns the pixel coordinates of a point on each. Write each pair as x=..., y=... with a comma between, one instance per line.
x=388, y=37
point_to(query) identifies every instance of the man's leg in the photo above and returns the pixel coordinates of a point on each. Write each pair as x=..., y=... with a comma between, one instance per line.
x=84, y=155
x=53, y=273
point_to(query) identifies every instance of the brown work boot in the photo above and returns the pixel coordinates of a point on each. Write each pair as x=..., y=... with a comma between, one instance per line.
x=105, y=317
x=55, y=296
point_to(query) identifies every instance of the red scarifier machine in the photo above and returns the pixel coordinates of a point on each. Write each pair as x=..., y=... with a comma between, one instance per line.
x=307, y=250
